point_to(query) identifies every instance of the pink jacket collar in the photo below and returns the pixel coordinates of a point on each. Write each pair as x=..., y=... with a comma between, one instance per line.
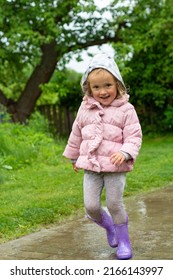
x=92, y=103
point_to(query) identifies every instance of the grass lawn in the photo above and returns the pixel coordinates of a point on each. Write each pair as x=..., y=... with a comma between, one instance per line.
x=154, y=166
x=48, y=191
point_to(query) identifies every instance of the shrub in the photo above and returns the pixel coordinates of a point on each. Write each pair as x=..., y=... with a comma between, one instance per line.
x=21, y=144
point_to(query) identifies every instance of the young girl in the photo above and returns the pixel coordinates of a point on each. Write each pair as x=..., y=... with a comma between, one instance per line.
x=105, y=140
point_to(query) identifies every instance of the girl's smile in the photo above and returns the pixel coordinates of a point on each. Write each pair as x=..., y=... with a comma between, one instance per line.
x=103, y=86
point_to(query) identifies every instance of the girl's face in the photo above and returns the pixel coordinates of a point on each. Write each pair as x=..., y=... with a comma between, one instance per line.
x=103, y=86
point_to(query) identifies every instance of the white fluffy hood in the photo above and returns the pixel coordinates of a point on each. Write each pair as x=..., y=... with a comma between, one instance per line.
x=106, y=62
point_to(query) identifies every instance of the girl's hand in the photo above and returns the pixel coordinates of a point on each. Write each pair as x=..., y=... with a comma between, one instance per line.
x=74, y=167
x=117, y=158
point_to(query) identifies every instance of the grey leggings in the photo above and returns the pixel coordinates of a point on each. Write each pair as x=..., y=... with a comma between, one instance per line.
x=114, y=184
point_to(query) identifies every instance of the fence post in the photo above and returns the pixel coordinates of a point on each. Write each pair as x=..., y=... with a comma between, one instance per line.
x=60, y=118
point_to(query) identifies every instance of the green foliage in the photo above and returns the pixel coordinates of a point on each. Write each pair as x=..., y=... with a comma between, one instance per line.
x=142, y=34
x=63, y=89
x=148, y=63
x=168, y=120
x=21, y=145
x=37, y=37
x=25, y=26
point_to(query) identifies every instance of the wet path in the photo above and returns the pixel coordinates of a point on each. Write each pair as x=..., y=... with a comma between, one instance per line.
x=150, y=227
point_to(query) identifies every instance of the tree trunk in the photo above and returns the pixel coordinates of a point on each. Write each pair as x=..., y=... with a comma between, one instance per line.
x=23, y=108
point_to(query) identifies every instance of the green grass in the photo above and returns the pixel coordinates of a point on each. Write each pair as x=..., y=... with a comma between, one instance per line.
x=39, y=187
x=38, y=196
x=153, y=168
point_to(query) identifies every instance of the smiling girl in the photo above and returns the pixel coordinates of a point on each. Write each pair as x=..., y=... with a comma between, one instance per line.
x=105, y=140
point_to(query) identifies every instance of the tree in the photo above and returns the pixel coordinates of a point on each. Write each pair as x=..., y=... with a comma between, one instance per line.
x=37, y=35
x=63, y=90
x=147, y=56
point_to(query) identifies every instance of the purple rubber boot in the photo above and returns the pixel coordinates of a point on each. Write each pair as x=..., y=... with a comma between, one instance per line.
x=108, y=224
x=124, y=251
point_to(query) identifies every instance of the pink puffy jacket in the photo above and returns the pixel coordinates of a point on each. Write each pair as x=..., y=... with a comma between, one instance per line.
x=99, y=131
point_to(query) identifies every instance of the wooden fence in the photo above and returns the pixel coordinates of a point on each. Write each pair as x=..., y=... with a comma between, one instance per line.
x=60, y=118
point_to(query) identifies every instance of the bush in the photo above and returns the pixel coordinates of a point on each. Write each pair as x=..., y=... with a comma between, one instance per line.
x=168, y=121
x=22, y=145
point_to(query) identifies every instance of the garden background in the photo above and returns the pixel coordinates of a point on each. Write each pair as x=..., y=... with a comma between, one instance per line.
x=39, y=97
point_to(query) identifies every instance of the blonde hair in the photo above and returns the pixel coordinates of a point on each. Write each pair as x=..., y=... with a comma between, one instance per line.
x=86, y=86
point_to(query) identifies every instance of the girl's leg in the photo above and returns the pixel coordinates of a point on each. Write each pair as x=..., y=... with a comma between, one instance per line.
x=114, y=184
x=93, y=185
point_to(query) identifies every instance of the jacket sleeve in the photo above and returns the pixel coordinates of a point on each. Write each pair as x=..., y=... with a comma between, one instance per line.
x=73, y=146
x=132, y=134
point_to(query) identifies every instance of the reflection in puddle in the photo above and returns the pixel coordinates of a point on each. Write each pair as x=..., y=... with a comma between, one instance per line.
x=142, y=209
